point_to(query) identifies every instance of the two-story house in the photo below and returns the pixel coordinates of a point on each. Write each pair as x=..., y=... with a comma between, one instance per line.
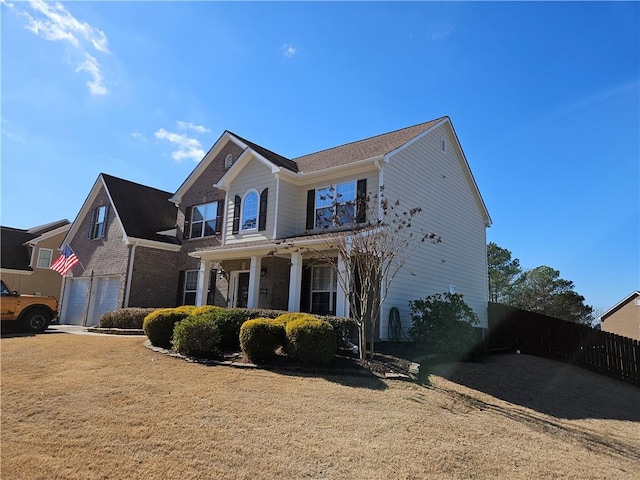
x=243, y=202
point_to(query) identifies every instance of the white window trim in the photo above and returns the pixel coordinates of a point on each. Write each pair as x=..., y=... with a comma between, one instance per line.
x=228, y=160
x=443, y=144
x=333, y=279
x=335, y=203
x=203, y=221
x=242, y=207
x=40, y=250
x=184, y=287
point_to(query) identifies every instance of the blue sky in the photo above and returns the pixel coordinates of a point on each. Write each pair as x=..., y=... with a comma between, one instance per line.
x=544, y=96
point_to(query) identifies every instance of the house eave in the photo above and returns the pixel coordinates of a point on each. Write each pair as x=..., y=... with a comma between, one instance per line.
x=13, y=271
x=143, y=242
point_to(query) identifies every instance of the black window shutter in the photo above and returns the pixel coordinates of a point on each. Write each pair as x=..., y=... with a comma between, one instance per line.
x=180, y=296
x=219, y=212
x=262, y=218
x=106, y=220
x=361, y=205
x=92, y=222
x=211, y=294
x=187, y=223
x=311, y=209
x=236, y=214
x=305, y=289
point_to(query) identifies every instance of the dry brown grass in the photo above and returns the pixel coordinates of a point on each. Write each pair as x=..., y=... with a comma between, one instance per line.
x=89, y=407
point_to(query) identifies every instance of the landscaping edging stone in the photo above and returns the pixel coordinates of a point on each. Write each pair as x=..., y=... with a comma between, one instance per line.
x=356, y=371
x=116, y=331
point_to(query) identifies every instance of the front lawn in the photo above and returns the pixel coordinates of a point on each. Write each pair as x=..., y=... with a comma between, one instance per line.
x=81, y=407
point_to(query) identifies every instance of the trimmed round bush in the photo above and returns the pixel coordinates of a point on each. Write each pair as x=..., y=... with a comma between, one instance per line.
x=158, y=326
x=259, y=338
x=205, y=309
x=197, y=336
x=128, y=318
x=186, y=308
x=289, y=317
x=311, y=340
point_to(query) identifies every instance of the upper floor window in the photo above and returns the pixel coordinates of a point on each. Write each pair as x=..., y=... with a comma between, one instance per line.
x=98, y=223
x=204, y=220
x=335, y=205
x=44, y=258
x=250, y=211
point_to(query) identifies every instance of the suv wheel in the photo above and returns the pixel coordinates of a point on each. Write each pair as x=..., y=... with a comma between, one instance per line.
x=37, y=320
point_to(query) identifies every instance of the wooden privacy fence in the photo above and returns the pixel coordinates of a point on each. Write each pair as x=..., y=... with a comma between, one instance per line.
x=536, y=334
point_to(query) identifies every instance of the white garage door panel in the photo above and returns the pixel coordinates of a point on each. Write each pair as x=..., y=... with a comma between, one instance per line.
x=104, y=298
x=75, y=301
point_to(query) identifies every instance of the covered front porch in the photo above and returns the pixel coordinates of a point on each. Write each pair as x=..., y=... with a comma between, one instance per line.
x=277, y=275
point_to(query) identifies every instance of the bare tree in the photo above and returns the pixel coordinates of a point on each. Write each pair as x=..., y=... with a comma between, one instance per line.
x=366, y=252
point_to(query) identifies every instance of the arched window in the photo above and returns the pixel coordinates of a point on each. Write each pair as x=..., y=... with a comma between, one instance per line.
x=250, y=203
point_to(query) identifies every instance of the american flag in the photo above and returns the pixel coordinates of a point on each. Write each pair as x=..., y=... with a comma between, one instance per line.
x=65, y=261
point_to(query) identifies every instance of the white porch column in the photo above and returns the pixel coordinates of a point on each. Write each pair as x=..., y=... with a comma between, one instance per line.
x=342, y=302
x=295, y=282
x=254, y=282
x=203, y=282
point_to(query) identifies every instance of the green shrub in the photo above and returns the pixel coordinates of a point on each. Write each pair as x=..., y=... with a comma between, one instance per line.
x=129, y=318
x=231, y=319
x=285, y=318
x=197, y=336
x=346, y=329
x=205, y=309
x=186, y=308
x=443, y=323
x=259, y=338
x=311, y=340
x=158, y=326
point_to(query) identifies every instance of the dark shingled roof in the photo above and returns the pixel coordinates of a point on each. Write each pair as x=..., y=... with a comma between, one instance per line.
x=13, y=252
x=344, y=154
x=361, y=149
x=273, y=157
x=143, y=210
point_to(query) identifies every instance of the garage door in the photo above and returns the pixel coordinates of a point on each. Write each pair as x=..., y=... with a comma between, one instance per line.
x=104, y=298
x=75, y=300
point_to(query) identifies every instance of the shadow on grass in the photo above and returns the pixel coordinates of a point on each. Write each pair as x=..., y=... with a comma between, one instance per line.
x=546, y=386
x=360, y=380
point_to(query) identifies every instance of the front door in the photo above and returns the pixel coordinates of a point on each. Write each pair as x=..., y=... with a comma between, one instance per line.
x=240, y=289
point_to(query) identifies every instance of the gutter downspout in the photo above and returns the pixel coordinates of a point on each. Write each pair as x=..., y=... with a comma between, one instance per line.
x=275, y=214
x=380, y=186
x=132, y=256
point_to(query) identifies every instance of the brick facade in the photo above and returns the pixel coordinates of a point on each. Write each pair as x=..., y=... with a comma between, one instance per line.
x=154, y=282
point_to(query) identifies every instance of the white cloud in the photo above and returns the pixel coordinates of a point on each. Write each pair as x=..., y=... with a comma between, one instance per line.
x=289, y=50
x=187, y=147
x=53, y=22
x=192, y=126
x=138, y=136
x=58, y=24
x=440, y=33
x=90, y=65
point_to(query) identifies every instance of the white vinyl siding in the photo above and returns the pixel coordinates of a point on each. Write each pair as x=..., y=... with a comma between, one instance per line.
x=254, y=176
x=288, y=224
x=421, y=175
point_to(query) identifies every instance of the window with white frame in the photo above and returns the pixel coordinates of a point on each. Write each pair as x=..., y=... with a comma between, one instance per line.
x=335, y=205
x=98, y=224
x=45, y=255
x=324, y=288
x=190, y=287
x=443, y=145
x=203, y=220
x=250, y=204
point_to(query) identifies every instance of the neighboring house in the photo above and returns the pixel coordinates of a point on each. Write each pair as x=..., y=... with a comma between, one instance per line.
x=624, y=317
x=242, y=203
x=27, y=256
x=124, y=238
